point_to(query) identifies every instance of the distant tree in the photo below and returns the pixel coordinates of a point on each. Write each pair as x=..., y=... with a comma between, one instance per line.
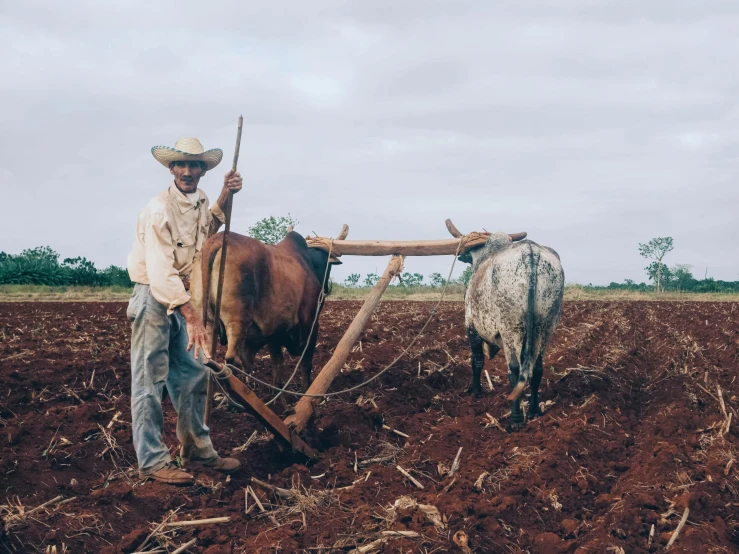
x=656, y=249
x=665, y=275
x=42, y=253
x=271, y=230
x=466, y=276
x=371, y=279
x=352, y=280
x=411, y=279
x=115, y=276
x=81, y=271
x=436, y=280
x=682, y=276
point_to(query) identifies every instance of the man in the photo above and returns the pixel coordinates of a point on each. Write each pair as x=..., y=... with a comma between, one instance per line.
x=170, y=232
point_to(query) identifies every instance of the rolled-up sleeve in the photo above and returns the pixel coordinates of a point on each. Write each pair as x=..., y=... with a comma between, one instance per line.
x=164, y=279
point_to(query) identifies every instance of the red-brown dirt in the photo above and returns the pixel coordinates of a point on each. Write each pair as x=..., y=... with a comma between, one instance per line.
x=633, y=434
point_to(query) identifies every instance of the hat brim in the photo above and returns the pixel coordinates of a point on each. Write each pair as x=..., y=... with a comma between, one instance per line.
x=165, y=155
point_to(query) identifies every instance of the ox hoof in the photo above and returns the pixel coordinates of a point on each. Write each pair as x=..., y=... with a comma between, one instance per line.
x=475, y=390
x=514, y=426
x=533, y=414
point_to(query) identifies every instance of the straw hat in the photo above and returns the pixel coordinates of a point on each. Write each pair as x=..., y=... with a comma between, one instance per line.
x=187, y=149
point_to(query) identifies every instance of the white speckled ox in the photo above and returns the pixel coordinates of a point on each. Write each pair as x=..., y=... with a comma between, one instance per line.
x=513, y=302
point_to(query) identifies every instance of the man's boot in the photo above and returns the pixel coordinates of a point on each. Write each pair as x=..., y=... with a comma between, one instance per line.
x=224, y=465
x=172, y=474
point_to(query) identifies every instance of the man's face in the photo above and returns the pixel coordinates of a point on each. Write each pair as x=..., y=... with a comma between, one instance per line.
x=187, y=175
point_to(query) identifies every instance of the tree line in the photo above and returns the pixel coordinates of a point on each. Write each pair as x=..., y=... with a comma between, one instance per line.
x=42, y=266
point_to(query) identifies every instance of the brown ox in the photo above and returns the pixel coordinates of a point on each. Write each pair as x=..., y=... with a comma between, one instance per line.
x=270, y=297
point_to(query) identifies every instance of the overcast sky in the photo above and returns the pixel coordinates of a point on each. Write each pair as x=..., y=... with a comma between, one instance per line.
x=593, y=125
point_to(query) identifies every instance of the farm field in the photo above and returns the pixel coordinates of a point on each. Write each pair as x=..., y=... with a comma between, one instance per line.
x=640, y=428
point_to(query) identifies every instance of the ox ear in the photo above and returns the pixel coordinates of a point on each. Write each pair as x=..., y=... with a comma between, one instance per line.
x=333, y=260
x=466, y=258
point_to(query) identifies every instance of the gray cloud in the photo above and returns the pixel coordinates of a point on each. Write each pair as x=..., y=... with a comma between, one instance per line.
x=592, y=125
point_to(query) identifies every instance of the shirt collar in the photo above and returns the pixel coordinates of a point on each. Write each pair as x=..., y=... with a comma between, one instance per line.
x=183, y=203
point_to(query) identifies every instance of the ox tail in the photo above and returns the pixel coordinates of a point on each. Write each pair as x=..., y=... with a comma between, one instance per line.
x=208, y=257
x=528, y=354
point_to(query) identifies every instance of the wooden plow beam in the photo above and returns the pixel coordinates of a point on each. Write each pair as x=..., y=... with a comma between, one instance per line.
x=265, y=416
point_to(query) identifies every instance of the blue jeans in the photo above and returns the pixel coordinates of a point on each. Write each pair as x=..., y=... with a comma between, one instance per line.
x=159, y=357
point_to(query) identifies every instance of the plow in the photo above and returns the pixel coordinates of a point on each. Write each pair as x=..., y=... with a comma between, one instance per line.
x=287, y=433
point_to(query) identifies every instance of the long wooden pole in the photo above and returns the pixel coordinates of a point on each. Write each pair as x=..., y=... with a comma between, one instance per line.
x=221, y=273
x=441, y=247
x=322, y=382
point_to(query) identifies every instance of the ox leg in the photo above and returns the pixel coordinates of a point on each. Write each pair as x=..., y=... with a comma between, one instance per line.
x=516, y=413
x=478, y=361
x=278, y=363
x=278, y=369
x=307, y=364
x=236, y=333
x=534, y=409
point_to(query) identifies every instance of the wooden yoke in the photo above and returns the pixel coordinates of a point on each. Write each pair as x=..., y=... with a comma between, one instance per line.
x=460, y=244
x=322, y=382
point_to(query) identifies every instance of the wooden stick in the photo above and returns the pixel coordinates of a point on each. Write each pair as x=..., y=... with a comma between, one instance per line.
x=680, y=526
x=410, y=477
x=156, y=530
x=455, y=464
x=285, y=493
x=408, y=534
x=191, y=523
x=41, y=507
x=651, y=536
x=260, y=506
x=219, y=294
x=450, y=485
x=490, y=381
x=246, y=445
x=185, y=546
x=480, y=480
x=728, y=425
x=399, y=433
x=721, y=400
x=305, y=407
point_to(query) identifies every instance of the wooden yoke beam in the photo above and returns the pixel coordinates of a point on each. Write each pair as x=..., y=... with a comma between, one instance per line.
x=304, y=409
x=441, y=247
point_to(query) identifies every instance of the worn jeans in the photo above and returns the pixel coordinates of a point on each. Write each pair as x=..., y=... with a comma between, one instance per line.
x=159, y=357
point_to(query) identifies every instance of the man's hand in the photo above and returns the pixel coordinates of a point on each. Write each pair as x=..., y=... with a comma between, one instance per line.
x=196, y=335
x=233, y=181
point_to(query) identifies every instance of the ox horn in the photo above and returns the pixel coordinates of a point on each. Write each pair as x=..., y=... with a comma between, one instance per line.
x=452, y=229
x=344, y=232
x=515, y=237
x=290, y=228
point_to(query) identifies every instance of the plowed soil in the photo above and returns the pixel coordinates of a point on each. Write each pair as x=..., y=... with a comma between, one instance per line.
x=640, y=428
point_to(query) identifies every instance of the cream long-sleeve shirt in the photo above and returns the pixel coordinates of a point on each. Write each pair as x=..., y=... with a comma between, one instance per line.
x=170, y=232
